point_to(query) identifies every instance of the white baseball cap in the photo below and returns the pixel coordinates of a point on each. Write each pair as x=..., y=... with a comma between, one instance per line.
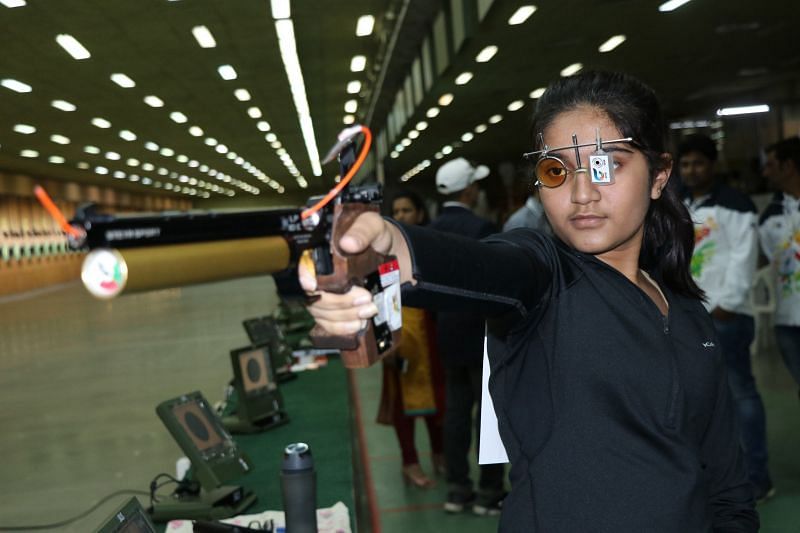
x=458, y=174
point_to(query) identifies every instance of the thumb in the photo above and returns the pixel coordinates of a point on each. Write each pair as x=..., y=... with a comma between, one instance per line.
x=368, y=229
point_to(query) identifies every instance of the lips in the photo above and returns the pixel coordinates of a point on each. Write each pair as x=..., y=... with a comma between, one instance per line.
x=586, y=221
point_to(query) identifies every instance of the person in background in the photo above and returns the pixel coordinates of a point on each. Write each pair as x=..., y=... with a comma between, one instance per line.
x=723, y=265
x=413, y=382
x=460, y=336
x=607, y=376
x=530, y=215
x=779, y=229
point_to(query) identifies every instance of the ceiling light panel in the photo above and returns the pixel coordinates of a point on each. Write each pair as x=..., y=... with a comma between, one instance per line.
x=123, y=80
x=358, y=63
x=671, y=5
x=24, y=129
x=742, y=110
x=572, y=69
x=227, y=72
x=13, y=3
x=611, y=43
x=463, y=78
x=354, y=87
x=16, y=85
x=153, y=101
x=280, y=9
x=101, y=123
x=521, y=15
x=63, y=105
x=486, y=54
x=350, y=106
x=204, y=37
x=537, y=93
x=178, y=117
x=72, y=46
x=243, y=95
x=365, y=25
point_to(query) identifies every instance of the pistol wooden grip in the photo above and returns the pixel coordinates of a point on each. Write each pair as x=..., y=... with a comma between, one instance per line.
x=359, y=350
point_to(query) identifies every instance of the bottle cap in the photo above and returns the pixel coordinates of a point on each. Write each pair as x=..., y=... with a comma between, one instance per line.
x=297, y=456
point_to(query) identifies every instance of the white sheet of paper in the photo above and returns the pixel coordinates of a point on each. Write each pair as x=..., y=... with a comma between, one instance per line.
x=491, y=449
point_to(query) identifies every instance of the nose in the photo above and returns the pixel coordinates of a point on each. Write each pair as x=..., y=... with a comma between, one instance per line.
x=583, y=190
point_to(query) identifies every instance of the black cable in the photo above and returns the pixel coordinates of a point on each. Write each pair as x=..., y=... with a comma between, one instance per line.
x=74, y=518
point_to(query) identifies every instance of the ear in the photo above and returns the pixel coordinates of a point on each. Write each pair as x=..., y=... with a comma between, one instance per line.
x=661, y=177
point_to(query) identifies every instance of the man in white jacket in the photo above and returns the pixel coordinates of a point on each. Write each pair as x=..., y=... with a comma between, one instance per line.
x=723, y=265
x=779, y=229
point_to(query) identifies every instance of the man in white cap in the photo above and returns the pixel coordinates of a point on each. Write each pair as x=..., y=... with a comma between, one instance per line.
x=460, y=341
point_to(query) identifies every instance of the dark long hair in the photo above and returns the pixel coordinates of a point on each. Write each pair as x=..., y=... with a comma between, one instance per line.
x=415, y=199
x=635, y=110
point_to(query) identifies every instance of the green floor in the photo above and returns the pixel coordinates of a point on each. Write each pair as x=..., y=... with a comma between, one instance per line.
x=80, y=380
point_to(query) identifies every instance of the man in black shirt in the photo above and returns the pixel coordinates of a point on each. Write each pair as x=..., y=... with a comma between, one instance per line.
x=460, y=339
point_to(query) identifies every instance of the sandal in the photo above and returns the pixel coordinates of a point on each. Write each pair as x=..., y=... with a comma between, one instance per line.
x=414, y=475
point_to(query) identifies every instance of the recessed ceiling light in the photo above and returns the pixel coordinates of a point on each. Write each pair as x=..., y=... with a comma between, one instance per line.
x=16, y=85
x=468, y=136
x=101, y=170
x=447, y=149
x=83, y=165
x=29, y=153
x=275, y=144
x=195, y=131
x=254, y=112
x=55, y=159
x=150, y=145
x=486, y=54
x=358, y=63
x=494, y=119
x=63, y=105
x=270, y=137
x=463, y=78
x=204, y=37
x=25, y=129
x=611, y=43
x=350, y=106
x=263, y=125
x=166, y=152
x=153, y=101
x=227, y=72
x=365, y=25
x=671, y=5
x=178, y=117
x=122, y=80
x=59, y=139
x=537, y=93
x=13, y=3
x=112, y=156
x=432, y=112
x=421, y=125
x=210, y=141
x=101, y=123
x=91, y=150
x=353, y=87
x=521, y=15
x=516, y=105
x=348, y=119
x=280, y=9
x=480, y=128
x=243, y=95
x=72, y=46
x=445, y=99
x=438, y=155
x=132, y=162
x=182, y=158
x=571, y=69
x=221, y=149
x=406, y=142
x=148, y=167
x=127, y=135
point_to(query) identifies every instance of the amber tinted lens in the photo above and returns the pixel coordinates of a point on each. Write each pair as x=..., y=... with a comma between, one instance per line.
x=550, y=172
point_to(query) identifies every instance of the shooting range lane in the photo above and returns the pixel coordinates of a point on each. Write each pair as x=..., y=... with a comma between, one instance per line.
x=81, y=379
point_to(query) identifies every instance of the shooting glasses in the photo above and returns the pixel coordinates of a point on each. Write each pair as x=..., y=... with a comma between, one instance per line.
x=551, y=171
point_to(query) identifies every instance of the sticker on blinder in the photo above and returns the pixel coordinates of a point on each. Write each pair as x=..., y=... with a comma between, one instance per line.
x=601, y=167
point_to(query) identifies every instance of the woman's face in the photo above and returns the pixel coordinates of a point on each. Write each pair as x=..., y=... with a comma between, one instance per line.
x=604, y=220
x=403, y=210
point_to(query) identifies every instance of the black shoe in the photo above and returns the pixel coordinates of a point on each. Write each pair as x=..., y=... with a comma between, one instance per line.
x=763, y=491
x=489, y=506
x=458, y=501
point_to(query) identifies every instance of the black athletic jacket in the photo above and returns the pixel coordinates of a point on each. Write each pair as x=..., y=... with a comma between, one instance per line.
x=615, y=418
